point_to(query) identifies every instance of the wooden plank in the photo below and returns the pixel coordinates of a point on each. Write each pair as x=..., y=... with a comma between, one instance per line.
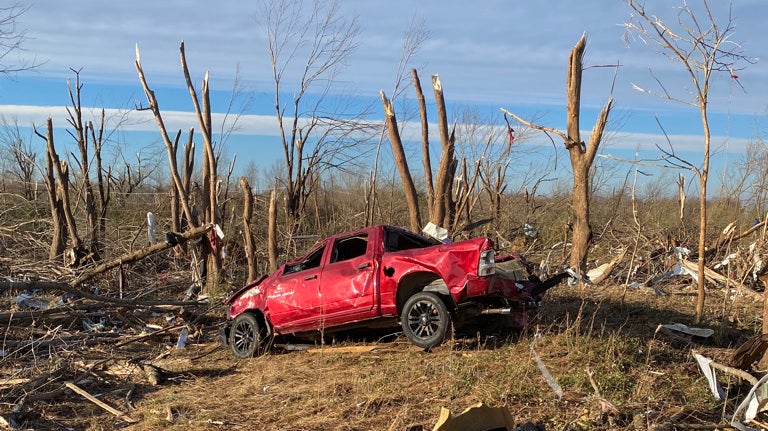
x=99, y=403
x=344, y=349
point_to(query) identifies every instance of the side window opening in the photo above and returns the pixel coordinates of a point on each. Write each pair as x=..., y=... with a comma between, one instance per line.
x=311, y=261
x=349, y=248
x=399, y=241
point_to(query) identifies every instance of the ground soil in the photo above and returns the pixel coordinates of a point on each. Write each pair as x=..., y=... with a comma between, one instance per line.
x=601, y=344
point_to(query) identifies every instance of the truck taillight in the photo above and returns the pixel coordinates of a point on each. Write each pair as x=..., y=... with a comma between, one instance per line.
x=487, y=263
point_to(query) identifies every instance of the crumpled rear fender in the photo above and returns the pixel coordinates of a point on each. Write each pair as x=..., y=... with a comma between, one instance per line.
x=405, y=272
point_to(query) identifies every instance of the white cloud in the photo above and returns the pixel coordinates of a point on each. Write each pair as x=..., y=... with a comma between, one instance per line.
x=136, y=121
x=517, y=53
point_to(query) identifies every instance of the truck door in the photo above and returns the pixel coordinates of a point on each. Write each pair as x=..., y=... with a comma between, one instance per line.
x=348, y=280
x=295, y=302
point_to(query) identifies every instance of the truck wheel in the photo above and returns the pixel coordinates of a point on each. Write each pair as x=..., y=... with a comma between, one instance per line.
x=425, y=319
x=245, y=336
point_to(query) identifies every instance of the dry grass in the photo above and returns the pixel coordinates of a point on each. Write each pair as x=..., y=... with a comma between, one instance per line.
x=650, y=377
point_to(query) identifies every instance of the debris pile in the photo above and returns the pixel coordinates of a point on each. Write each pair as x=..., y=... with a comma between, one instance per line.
x=87, y=333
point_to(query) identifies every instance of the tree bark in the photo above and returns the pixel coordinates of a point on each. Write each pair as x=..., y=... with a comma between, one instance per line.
x=582, y=231
x=425, y=156
x=62, y=195
x=272, y=231
x=211, y=255
x=411, y=197
x=155, y=108
x=103, y=184
x=59, y=237
x=247, y=234
x=582, y=157
x=703, y=177
x=81, y=130
x=445, y=171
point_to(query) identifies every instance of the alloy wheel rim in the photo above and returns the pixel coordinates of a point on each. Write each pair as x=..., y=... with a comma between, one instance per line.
x=424, y=319
x=244, y=337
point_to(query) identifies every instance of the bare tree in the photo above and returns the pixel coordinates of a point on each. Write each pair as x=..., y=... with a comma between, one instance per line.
x=272, y=231
x=127, y=176
x=308, y=45
x=702, y=46
x=60, y=233
x=582, y=155
x=750, y=183
x=211, y=254
x=22, y=155
x=440, y=190
x=61, y=207
x=12, y=39
x=481, y=141
x=81, y=136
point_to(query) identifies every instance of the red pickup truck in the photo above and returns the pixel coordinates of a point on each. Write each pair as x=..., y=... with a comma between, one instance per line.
x=382, y=274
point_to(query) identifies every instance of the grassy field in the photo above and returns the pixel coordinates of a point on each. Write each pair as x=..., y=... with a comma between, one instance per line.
x=601, y=345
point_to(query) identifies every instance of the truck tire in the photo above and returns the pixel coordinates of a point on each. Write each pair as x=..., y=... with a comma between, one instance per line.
x=246, y=336
x=425, y=320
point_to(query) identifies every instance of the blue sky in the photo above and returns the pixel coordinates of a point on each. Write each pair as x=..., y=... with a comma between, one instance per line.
x=489, y=55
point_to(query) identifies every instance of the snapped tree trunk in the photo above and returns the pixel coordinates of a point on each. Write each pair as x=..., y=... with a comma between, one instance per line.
x=411, y=197
x=62, y=196
x=59, y=237
x=441, y=207
x=425, y=156
x=582, y=155
x=247, y=234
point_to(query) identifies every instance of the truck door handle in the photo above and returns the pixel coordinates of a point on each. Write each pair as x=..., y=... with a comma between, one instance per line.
x=310, y=277
x=364, y=265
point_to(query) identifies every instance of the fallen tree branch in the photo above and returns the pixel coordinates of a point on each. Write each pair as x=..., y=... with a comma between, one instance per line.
x=96, y=337
x=735, y=372
x=71, y=286
x=47, y=285
x=141, y=337
x=139, y=254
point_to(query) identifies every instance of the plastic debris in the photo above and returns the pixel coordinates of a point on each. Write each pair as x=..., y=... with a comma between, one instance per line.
x=576, y=278
x=183, y=336
x=28, y=301
x=726, y=261
x=530, y=231
x=66, y=298
x=681, y=252
x=219, y=232
x=171, y=239
x=151, y=227
x=709, y=373
x=547, y=375
x=754, y=403
x=91, y=326
x=696, y=332
x=436, y=232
